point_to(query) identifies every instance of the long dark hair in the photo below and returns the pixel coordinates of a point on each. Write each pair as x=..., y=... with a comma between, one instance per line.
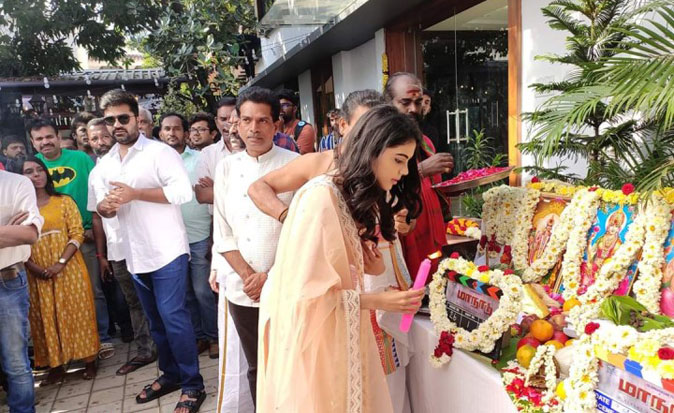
x=379, y=128
x=49, y=187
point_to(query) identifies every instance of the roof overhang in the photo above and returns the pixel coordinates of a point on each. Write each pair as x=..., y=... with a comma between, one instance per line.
x=338, y=35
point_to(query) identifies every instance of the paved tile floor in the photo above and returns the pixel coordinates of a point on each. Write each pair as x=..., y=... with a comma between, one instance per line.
x=109, y=393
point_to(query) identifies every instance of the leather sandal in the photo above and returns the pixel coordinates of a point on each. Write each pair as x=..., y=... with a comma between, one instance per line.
x=165, y=387
x=192, y=406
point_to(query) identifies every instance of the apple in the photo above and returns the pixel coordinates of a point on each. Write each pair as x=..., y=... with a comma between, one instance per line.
x=559, y=336
x=528, y=340
x=667, y=302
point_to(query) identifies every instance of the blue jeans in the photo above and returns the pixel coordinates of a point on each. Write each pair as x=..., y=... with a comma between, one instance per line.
x=200, y=298
x=162, y=295
x=88, y=249
x=14, y=344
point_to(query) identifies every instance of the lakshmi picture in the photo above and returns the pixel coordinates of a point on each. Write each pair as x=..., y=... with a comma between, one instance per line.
x=545, y=218
x=605, y=236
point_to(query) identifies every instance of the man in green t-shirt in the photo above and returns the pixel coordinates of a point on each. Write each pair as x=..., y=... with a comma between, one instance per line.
x=70, y=172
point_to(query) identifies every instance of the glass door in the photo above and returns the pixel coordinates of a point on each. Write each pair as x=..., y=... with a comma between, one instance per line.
x=466, y=68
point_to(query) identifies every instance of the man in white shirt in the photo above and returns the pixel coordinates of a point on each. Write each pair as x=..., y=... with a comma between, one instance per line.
x=246, y=237
x=20, y=226
x=108, y=239
x=146, y=183
x=198, y=223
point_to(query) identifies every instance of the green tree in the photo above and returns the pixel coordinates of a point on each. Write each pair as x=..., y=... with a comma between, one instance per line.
x=37, y=34
x=202, y=40
x=615, y=110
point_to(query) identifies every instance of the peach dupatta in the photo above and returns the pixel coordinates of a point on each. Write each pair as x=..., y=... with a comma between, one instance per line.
x=317, y=349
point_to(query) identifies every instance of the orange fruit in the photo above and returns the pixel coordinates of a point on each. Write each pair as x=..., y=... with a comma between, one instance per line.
x=525, y=354
x=542, y=330
x=569, y=342
x=570, y=303
x=554, y=343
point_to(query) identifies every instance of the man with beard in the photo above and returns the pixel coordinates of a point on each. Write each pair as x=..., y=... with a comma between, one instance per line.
x=299, y=130
x=202, y=130
x=78, y=130
x=70, y=171
x=197, y=219
x=404, y=91
x=108, y=238
x=146, y=182
x=13, y=151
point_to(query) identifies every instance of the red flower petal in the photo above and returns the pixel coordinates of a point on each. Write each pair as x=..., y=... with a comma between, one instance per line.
x=535, y=180
x=591, y=328
x=666, y=353
x=628, y=189
x=483, y=268
x=454, y=255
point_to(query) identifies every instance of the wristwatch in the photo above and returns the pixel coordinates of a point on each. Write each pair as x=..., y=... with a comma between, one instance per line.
x=62, y=261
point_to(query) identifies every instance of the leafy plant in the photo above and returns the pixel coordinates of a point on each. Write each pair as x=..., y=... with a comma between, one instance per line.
x=479, y=152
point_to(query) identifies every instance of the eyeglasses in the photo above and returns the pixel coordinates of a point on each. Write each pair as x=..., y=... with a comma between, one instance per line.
x=287, y=105
x=199, y=130
x=123, y=119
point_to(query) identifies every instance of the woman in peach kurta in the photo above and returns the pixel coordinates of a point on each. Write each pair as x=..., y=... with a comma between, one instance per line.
x=62, y=313
x=317, y=347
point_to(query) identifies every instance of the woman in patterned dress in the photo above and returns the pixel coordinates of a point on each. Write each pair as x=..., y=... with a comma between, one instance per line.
x=62, y=313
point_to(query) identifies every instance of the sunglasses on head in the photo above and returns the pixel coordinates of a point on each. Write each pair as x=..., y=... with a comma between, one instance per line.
x=123, y=119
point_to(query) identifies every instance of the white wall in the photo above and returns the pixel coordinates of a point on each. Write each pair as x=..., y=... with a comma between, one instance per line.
x=306, y=97
x=539, y=39
x=358, y=68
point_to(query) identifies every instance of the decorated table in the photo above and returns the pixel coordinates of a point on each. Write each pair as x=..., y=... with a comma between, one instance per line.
x=468, y=384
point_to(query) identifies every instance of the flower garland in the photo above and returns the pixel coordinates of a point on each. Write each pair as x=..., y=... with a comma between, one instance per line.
x=583, y=378
x=500, y=210
x=489, y=331
x=544, y=357
x=526, y=399
x=647, y=286
x=581, y=221
x=625, y=196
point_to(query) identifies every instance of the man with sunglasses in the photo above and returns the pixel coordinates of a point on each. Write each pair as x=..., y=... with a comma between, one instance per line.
x=144, y=183
x=302, y=132
x=70, y=171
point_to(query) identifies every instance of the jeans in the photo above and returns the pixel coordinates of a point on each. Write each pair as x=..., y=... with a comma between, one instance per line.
x=141, y=327
x=14, y=344
x=162, y=294
x=88, y=249
x=200, y=298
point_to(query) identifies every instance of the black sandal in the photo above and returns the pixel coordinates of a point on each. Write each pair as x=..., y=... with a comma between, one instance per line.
x=134, y=364
x=151, y=394
x=192, y=405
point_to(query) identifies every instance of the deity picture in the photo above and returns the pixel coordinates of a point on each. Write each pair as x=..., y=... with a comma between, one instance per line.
x=546, y=216
x=606, y=235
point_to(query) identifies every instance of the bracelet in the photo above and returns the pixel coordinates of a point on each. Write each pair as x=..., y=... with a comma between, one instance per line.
x=283, y=215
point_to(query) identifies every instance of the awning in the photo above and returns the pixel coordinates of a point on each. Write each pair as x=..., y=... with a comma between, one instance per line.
x=304, y=12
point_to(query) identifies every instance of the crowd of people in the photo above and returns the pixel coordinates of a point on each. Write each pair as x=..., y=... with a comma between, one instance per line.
x=238, y=233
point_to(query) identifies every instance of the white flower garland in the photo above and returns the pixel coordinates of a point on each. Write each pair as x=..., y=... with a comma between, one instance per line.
x=647, y=286
x=484, y=337
x=544, y=356
x=500, y=210
x=583, y=378
x=582, y=221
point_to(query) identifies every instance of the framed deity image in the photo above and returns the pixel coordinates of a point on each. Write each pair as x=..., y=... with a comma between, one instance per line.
x=546, y=216
x=605, y=236
x=668, y=269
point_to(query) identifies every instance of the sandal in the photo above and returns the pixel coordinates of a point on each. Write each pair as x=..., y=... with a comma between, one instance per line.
x=151, y=394
x=134, y=364
x=196, y=399
x=106, y=351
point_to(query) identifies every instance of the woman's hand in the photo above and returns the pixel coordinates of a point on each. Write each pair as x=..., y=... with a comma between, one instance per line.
x=401, y=225
x=394, y=301
x=53, y=270
x=373, y=264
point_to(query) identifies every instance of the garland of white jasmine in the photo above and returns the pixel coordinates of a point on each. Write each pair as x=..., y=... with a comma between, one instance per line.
x=488, y=332
x=500, y=211
x=647, y=286
x=544, y=356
